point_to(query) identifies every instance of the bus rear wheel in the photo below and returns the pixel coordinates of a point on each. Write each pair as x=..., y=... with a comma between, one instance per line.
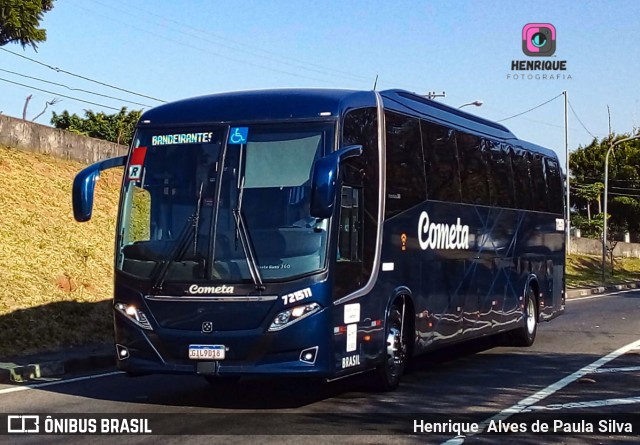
x=388, y=373
x=525, y=335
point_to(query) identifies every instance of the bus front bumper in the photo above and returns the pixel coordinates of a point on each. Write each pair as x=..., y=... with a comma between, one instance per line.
x=291, y=352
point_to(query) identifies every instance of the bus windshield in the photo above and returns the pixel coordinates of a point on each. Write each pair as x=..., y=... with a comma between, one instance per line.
x=201, y=204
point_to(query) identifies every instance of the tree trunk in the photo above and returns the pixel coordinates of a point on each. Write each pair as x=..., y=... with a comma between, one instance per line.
x=612, y=263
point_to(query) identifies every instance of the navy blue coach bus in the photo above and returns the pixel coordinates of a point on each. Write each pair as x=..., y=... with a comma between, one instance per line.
x=325, y=233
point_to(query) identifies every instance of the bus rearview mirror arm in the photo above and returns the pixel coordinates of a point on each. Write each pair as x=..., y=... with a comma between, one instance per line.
x=324, y=180
x=84, y=185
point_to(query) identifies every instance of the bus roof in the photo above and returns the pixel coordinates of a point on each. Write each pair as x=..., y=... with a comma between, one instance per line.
x=416, y=105
x=261, y=105
x=281, y=104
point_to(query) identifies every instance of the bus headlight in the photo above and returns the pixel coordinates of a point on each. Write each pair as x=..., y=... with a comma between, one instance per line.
x=293, y=315
x=134, y=314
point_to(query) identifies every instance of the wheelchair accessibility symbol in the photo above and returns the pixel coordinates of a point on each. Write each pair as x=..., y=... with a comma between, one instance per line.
x=238, y=135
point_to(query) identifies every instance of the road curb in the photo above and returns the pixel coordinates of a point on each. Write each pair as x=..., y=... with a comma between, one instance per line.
x=596, y=290
x=57, y=363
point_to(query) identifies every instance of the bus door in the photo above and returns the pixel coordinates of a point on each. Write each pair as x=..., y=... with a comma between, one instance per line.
x=349, y=277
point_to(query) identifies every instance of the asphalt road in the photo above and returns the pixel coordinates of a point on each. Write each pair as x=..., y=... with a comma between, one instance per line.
x=585, y=363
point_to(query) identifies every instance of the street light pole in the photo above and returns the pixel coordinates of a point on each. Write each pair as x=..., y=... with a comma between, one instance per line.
x=477, y=103
x=606, y=187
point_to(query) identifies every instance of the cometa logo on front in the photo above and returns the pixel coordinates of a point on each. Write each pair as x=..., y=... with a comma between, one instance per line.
x=200, y=290
x=441, y=235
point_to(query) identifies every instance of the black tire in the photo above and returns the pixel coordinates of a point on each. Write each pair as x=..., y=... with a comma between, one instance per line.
x=387, y=374
x=525, y=335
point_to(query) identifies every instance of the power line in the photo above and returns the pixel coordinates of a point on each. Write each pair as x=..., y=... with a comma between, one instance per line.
x=530, y=109
x=75, y=89
x=625, y=188
x=203, y=35
x=60, y=70
x=61, y=95
x=576, y=116
x=628, y=181
x=630, y=195
x=252, y=50
x=592, y=178
x=585, y=186
x=615, y=193
x=208, y=51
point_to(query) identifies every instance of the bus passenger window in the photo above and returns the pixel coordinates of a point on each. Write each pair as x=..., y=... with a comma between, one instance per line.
x=473, y=172
x=539, y=183
x=522, y=178
x=554, y=186
x=406, y=184
x=501, y=176
x=441, y=163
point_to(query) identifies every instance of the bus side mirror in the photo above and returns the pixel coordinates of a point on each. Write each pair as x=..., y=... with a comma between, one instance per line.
x=325, y=178
x=85, y=183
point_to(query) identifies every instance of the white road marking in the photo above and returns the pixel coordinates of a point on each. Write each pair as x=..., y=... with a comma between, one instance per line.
x=625, y=369
x=57, y=382
x=608, y=294
x=528, y=402
x=589, y=404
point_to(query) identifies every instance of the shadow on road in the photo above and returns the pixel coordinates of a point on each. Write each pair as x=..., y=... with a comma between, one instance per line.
x=456, y=377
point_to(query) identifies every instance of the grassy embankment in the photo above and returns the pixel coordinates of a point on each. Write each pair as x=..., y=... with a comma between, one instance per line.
x=584, y=271
x=56, y=274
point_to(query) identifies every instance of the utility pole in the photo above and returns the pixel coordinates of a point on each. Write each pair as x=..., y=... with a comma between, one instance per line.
x=566, y=152
x=432, y=95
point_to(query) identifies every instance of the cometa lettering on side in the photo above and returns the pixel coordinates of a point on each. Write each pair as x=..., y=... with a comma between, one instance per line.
x=442, y=235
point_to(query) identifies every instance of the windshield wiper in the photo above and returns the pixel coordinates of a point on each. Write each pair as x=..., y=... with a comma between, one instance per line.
x=245, y=240
x=182, y=243
x=196, y=219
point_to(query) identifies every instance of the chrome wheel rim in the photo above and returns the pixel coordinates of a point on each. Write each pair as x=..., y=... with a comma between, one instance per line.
x=395, y=351
x=531, y=315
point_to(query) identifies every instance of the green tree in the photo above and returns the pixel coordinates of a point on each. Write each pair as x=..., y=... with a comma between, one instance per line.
x=590, y=193
x=118, y=127
x=20, y=21
x=625, y=211
x=589, y=228
x=587, y=170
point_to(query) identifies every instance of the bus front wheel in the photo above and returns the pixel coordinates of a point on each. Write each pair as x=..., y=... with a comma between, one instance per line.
x=525, y=335
x=388, y=373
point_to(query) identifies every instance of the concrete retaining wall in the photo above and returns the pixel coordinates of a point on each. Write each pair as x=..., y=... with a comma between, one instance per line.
x=586, y=246
x=29, y=136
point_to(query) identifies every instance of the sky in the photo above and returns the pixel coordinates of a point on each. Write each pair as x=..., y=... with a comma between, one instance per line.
x=169, y=50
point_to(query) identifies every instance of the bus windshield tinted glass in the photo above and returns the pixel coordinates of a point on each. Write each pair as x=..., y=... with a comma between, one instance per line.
x=184, y=191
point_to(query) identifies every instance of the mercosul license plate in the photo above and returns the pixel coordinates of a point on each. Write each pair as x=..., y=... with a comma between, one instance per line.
x=206, y=352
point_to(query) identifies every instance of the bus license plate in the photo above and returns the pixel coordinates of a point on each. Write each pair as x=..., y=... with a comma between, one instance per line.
x=206, y=352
